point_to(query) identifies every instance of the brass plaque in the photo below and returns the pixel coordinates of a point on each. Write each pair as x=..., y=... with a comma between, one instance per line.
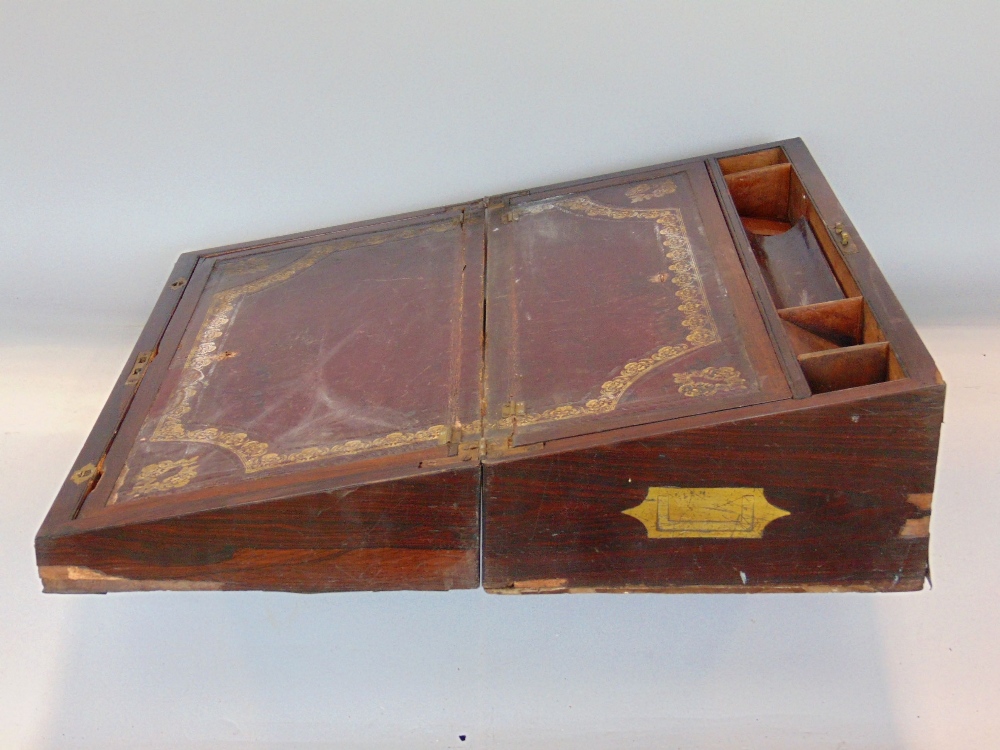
x=705, y=512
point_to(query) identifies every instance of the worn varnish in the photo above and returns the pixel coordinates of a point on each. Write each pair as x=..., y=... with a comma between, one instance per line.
x=690, y=377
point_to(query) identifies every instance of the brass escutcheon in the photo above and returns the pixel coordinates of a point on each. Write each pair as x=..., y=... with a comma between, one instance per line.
x=83, y=474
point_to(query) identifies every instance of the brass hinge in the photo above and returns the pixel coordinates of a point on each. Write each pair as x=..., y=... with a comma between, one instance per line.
x=142, y=361
x=513, y=409
x=468, y=451
x=452, y=437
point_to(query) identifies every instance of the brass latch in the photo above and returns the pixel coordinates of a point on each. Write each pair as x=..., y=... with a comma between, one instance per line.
x=513, y=409
x=83, y=474
x=845, y=237
x=142, y=361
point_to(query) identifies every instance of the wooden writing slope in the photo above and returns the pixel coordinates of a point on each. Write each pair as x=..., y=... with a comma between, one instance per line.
x=686, y=377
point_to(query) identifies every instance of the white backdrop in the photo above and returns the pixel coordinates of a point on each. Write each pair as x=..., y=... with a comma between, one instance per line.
x=132, y=132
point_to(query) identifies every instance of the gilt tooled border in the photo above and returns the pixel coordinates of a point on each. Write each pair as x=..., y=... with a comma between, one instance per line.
x=694, y=304
x=256, y=455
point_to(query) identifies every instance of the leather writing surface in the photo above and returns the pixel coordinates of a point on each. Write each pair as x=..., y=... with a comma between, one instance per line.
x=615, y=305
x=329, y=352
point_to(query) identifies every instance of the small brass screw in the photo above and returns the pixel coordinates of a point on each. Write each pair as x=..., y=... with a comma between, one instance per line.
x=845, y=238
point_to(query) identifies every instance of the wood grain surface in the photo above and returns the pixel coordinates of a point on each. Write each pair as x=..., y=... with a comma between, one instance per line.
x=846, y=474
x=414, y=534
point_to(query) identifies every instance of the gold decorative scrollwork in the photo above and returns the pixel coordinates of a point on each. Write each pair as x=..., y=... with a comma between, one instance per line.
x=151, y=479
x=702, y=331
x=710, y=381
x=647, y=191
x=256, y=455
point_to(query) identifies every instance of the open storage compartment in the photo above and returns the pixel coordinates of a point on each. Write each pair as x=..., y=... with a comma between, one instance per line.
x=831, y=329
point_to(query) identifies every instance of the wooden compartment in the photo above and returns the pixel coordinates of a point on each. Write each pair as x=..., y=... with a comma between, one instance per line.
x=752, y=160
x=839, y=344
x=832, y=331
x=794, y=267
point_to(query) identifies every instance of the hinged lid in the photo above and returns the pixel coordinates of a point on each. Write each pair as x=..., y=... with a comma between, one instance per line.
x=309, y=360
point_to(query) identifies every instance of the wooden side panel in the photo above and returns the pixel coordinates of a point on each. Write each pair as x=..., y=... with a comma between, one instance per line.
x=847, y=486
x=420, y=534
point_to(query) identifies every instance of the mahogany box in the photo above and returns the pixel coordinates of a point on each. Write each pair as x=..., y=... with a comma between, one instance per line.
x=688, y=377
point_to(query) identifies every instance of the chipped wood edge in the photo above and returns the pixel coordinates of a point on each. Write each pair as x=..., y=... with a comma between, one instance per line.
x=540, y=584
x=918, y=528
x=74, y=579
